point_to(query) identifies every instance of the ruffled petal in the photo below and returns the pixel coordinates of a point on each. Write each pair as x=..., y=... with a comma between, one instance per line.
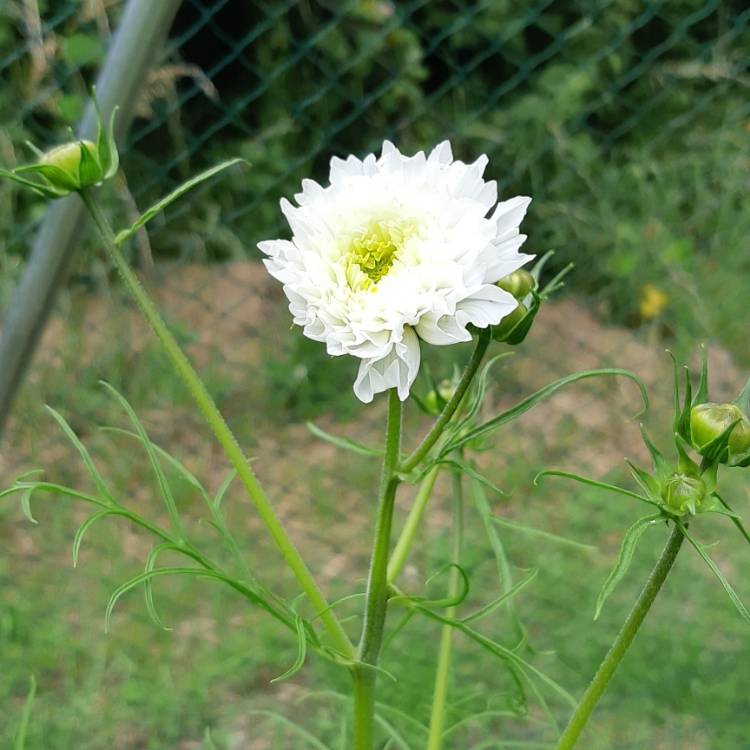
x=397, y=369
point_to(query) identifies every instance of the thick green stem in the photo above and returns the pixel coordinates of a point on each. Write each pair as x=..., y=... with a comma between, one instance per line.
x=483, y=341
x=442, y=672
x=220, y=428
x=363, y=691
x=624, y=638
x=408, y=533
x=376, y=600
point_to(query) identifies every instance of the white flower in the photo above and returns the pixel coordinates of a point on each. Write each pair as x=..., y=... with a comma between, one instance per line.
x=397, y=249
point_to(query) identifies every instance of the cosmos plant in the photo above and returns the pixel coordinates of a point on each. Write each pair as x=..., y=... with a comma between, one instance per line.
x=398, y=253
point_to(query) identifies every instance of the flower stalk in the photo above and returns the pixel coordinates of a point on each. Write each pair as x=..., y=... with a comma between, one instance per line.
x=442, y=672
x=480, y=348
x=221, y=430
x=376, y=600
x=624, y=638
x=413, y=520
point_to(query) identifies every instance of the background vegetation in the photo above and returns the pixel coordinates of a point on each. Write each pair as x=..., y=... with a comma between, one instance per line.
x=628, y=122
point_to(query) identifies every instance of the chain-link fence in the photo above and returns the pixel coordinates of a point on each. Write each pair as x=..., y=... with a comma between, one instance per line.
x=628, y=123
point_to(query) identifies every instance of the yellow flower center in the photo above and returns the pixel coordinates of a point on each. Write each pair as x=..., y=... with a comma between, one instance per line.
x=371, y=252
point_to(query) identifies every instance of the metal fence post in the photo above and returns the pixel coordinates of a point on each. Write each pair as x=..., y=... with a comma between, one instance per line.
x=137, y=41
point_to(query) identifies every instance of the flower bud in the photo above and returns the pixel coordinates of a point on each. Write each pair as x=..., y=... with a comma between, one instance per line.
x=431, y=405
x=71, y=168
x=683, y=492
x=67, y=156
x=519, y=283
x=709, y=420
x=501, y=331
x=446, y=388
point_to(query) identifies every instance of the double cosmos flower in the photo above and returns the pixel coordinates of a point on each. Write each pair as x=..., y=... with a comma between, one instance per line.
x=395, y=250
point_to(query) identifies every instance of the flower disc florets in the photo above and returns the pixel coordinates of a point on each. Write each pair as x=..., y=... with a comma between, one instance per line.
x=397, y=249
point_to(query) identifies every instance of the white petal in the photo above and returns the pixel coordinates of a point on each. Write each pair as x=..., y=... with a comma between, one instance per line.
x=442, y=153
x=488, y=306
x=397, y=369
x=443, y=330
x=509, y=214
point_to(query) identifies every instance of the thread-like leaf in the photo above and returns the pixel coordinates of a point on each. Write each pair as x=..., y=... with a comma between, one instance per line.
x=593, y=483
x=449, y=601
x=252, y=595
x=342, y=442
x=148, y=587
x=731, y=593
x=26, y=504
x=541, y=395
x=46, y=190
x=395, y=739
x=517, y=666
x=534, y=531
x=85, y=526
x=736, y=520
x=503, y=598
x=504, y=653
x=54, y=488
x=624, y=558
x=96, y=477
x=478, y=392
x=467, y=468
x=23, y=726
x=218, y=498
x=161, y=479
x=501, y=559
x=299, y=662
x=177, y=193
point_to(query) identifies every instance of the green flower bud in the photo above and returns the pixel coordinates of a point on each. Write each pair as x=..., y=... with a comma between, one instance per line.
x=709, y=420
x=683, y=492
x=431, y=403
x=501, y=331
x=71, y=166
x=446, y=388
x=68, y=156
x=519, y=283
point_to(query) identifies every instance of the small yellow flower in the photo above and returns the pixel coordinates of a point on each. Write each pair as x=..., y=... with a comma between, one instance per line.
x=653, y=301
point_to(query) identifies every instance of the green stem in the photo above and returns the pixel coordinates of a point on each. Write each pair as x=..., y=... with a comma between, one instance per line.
x=376, y=600
x=406, y=538
x=483, y=341
x=440, y=692
x=363, y=683
x=624, y=638
x=220, y=428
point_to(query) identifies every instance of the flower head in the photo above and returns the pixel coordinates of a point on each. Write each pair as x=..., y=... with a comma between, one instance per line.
x=397, y=249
